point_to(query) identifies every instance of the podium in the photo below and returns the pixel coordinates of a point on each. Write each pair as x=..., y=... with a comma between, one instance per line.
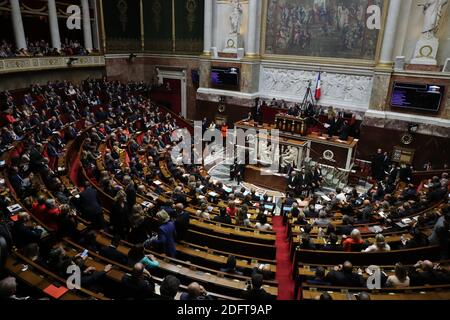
x=291, y=124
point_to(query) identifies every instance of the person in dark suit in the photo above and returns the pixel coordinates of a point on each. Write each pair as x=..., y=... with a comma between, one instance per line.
x=259, y=115
x=333, y=125
x=344, y=276
x=166, y=235
x=254, y=291
x=169, y=288
x=293, y=183
x=223, y=217
x=344, y=131
x=181, y=222
x=305, y=181
x=119, y=214
x=91, y=278
x=378, y=165
x=22, y=233
x=346, y=227
x=332, y=244
x=319, y=278
x=90, y=207
x=178, y=196
x=405, y=173
x=230, y=266
x=317, y=178
x=392, y=173
x=138, y=284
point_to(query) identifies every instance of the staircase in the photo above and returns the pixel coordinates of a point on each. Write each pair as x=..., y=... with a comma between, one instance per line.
x=333, y=177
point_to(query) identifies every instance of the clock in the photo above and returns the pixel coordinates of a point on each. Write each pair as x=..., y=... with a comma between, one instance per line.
x=407, y=139
x=230, y=43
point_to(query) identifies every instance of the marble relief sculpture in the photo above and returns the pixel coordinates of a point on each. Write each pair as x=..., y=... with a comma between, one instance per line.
x=264, y=152
x=289, y=157
x=338, y=88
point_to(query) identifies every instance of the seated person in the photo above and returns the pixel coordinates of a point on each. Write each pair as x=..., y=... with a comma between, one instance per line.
x=195, y=291
x=254, y=291
x=264, y=270
x=343, y=276
x=332, y=244
x=380, y=245
x=138, y=284
x=355, y=243
x=25, y=233
x=400, y=279
x=319, y=278
x=230, y=266
x=90, y=277
x=137, y=255
x=169, y=287
x=262, y=224
x=223, y=217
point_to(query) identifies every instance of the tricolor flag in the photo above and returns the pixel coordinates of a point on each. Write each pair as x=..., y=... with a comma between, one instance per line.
x=318, y=88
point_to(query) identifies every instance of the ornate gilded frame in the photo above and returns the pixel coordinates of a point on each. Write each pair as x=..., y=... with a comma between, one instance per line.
x=322, y=60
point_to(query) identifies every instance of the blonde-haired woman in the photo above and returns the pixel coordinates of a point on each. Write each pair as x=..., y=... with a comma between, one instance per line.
x=119, y=214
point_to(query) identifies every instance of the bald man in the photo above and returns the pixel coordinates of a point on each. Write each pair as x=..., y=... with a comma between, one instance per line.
x=424, y=273
x=195, y=291
x=138, y=284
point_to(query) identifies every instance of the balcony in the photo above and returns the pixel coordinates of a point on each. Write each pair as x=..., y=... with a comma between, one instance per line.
x=22, y=64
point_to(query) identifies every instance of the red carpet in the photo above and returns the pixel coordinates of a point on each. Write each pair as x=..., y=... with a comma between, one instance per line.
x=284, y=264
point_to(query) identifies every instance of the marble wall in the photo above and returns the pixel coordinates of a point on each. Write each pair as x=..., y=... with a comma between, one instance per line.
x=144, y=68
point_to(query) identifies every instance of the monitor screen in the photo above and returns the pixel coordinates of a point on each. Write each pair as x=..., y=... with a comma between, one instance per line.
x=419, y=97
x=225, y=78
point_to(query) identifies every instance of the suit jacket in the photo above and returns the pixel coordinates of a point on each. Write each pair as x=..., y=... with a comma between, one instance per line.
x=182, y=225
x=257, y=295
x=339, y=278
x=131, y=195
x=119, y=218
x=304, y=179
x=89, y=201
x=24, y=235
x=166, y=238
x=138, y=289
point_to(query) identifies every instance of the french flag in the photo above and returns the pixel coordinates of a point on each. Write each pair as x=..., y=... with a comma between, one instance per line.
x=318, y=88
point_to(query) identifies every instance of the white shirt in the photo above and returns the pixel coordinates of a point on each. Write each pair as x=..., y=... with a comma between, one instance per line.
x=341, y=197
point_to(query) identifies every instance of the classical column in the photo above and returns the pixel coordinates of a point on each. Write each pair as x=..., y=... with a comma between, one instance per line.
x=54, y=28
x=95, y=28
x=86, y=25
x=252, y=50
x=387, y=48
x=19, y=33
x=208, y=26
